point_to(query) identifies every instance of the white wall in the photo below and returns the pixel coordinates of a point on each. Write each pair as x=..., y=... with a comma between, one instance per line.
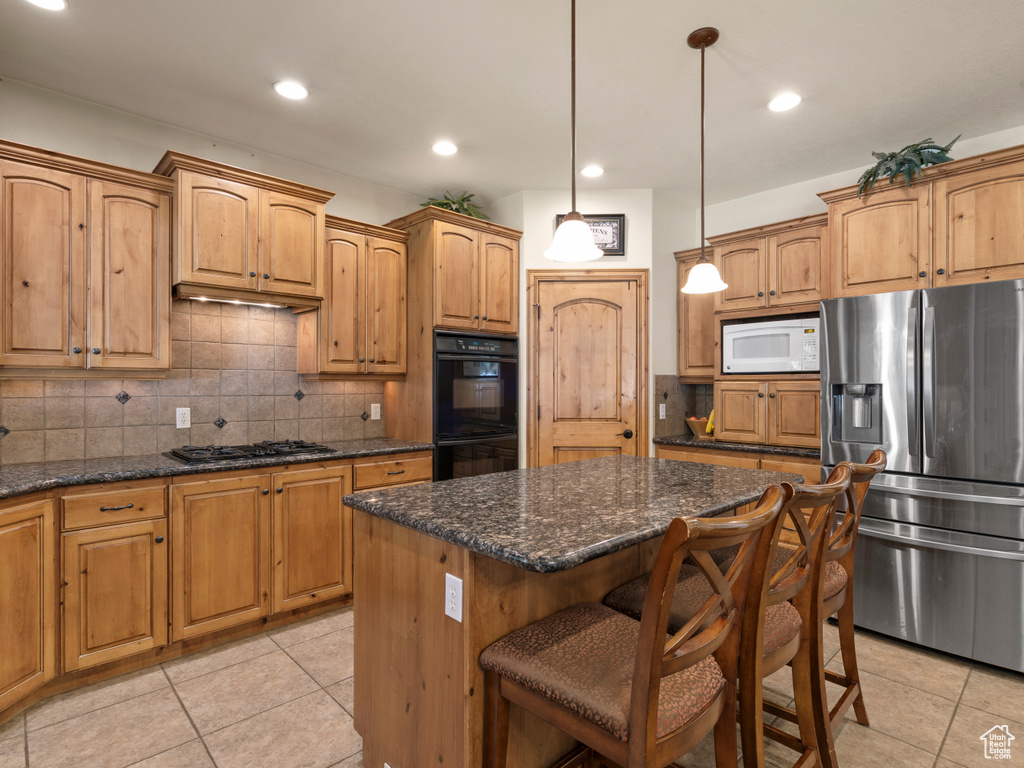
x=51, y=120
x=674, y=230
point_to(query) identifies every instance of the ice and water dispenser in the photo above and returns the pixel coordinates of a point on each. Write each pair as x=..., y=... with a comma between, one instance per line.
x=857, y=413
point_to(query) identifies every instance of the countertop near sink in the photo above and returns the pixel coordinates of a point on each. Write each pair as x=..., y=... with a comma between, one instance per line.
x=18, y=479
x=689, y=441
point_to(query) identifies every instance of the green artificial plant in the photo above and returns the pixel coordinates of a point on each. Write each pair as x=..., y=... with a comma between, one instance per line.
x=460, y=204
x=908, y=162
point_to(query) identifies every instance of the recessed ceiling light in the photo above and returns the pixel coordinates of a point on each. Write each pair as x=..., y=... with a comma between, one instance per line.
x=592, y=171
x=784, y=101
x=445, y=148
x=291, y=89
x=50, y=5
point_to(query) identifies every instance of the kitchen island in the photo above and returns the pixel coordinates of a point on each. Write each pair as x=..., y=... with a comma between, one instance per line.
x=524, y=544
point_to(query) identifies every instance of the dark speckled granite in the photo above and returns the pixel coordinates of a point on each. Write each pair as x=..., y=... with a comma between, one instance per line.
x=553, y=518
x=17, y=479
x=689, y=441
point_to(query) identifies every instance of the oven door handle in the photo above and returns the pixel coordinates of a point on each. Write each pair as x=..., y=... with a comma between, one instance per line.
x=867, y=528
x=475, y=358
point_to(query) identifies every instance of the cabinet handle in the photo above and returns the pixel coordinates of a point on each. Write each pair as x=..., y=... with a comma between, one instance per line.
x=362, y=359
x=159, y=539
x=760, y=394
x=266, y=275
x=922, y=274
x=95, y=350
x=114, y=509
x=266, y=491
x=772, y=395
x=396, y=472
x=760, y=294
x=476, y=317
x=77, y=350
x=280, y=490
x=373, y=360
x=771, y=293
x=252, y=274
x=485, y=317
x=941, y=272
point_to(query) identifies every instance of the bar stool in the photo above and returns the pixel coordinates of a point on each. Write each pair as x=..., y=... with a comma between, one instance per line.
x=633, y=694
x=786, y=631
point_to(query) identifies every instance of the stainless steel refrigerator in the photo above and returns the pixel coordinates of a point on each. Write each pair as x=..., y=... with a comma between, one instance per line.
x=936, y=379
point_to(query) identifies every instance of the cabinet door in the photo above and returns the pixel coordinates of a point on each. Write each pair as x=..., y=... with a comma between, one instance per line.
x=714, y=456
x=115, y=592
x=312, y=536
x=743, y=270
x=219, y=232
x=979, y=226
x=695, y=327
x=28, y=599
x=740, y=411
x=456, y=304
x=386, y=308
x=809, y=468
x=291, y=245
x=342, y=336
x=794, y=413
x=798, y=267
x=129, y=263
x=43, y=283
x=220, y=555
x=881, y=242
x=499, y=284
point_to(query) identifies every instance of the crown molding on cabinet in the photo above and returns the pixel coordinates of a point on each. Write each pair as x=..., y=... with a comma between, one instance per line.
x=45, y=158
x=175, y=161
x=430, y=213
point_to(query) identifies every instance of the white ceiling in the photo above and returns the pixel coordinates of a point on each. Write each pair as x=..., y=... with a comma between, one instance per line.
x=390, y=77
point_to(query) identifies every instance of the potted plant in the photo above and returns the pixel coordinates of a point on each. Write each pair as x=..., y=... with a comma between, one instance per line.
x=908, y=162
x=461, y=204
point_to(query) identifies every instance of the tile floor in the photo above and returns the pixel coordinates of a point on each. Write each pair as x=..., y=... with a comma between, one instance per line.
x=283, y=699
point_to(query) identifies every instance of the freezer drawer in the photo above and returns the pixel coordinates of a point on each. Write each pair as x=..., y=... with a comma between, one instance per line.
x=954, y=592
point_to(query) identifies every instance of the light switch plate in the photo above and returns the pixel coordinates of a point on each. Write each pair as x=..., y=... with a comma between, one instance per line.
x=375, y=411
x=661, y=410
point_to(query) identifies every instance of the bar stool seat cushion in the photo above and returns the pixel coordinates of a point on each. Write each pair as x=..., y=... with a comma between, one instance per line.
x=692, y=592
x=835, y=579
x=781, y=624
x=582, y=658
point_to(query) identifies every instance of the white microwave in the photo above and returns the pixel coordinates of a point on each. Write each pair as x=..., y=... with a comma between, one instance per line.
x=771, y=346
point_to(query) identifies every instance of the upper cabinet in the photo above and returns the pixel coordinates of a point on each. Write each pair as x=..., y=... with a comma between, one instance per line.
x=781, y=265
x=960, y=222
x=240, y=232
x=696, y=335
x=361, y=326
x=467, y=268
x=85, y=251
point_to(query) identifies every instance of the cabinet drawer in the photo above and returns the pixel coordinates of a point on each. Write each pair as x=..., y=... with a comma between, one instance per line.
x=107, y=507
x=393, y=472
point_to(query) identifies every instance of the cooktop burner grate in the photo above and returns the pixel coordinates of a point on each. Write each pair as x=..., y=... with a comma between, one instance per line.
x=209, y=454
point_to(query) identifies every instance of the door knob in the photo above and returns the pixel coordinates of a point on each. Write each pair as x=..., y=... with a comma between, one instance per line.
x=628, y=433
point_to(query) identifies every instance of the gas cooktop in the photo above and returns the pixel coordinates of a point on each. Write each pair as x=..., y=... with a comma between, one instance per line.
x=208, y=454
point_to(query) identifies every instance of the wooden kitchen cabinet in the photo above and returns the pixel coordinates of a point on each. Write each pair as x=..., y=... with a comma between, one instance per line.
x=28, y=598
x=808, y=467
x=778, y=265
x=239, y=232
x=741, y=411
x=777, y=412
x=695, y=324
x=220, y=553
x=499, y=284
x=362, y=325
x=85, y=251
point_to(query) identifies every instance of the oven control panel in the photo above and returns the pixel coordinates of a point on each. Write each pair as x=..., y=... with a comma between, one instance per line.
x=483, y=346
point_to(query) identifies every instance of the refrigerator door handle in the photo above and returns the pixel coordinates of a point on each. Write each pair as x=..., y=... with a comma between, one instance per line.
x=866, y=529
x=928, y=379
x=881, y=484
x=914, y=439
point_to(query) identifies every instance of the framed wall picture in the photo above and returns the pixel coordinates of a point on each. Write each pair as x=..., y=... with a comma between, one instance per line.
x=609, y=231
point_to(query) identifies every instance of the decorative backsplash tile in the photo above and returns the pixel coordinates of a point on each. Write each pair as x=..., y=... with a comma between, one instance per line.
x=230, y=364
x=681, y=401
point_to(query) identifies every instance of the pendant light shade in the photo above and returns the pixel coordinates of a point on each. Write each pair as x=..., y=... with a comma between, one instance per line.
x=704, y=277
x=573, y=239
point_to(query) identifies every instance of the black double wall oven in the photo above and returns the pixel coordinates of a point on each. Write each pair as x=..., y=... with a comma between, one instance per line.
x=476, y=425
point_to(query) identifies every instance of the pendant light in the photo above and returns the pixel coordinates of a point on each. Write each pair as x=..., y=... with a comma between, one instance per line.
x=573, y=239
x=704, y=277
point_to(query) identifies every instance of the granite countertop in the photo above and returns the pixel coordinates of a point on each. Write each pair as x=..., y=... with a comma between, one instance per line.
x=548, y=519
x=690, y=441
x=17, y=479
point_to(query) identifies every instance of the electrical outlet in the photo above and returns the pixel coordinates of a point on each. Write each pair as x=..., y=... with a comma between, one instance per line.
x=453, y=597
x=183, y=417
x=661, y=410
x=374, y=411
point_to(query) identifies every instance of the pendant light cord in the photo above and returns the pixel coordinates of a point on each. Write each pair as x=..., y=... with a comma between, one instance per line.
x=572, y=102
x=703, y=48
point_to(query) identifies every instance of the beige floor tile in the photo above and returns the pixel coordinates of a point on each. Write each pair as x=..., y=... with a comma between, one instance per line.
x=908, y=714
x=12, y=752
x=830, y=640
x=327, y=659
x=113, y=737
x=307, y=630
x=1001, y=693
x=703, y=755
x=64, y=706
x=311, y=732
x=860, y=747
x=12, y=727
x=907, y=664
x=944, y=763
x=190, y=755
x=204, y=662
x=356, y=761
x=343, y=693
x=228, y=695
x=964, y=745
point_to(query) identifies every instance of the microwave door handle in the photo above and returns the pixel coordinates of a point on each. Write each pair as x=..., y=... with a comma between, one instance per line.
x=913, y=408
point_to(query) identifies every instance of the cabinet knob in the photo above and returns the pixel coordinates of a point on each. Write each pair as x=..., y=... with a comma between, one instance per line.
x=266, y=491
x=760, y=394
x=77, y=350
x=941, y=272
x=772, y=395
x=485, y=317
x=373, y=359
x=760, y=294
x=771, y=293
x=476, y=317
x=362, y=359
x=159, y=539
x=266, y=275
x=922, y=274
x=252, y=274
x=95, y=350
x=280, y=490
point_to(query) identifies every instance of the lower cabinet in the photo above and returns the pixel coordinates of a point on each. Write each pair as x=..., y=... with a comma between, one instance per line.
x=778, y=412
x=798, y=465
x=220, y=554
x=28, y=598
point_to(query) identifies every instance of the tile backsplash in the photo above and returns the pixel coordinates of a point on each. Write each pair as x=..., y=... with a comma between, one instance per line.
x=681, y=401
x=234, y=366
